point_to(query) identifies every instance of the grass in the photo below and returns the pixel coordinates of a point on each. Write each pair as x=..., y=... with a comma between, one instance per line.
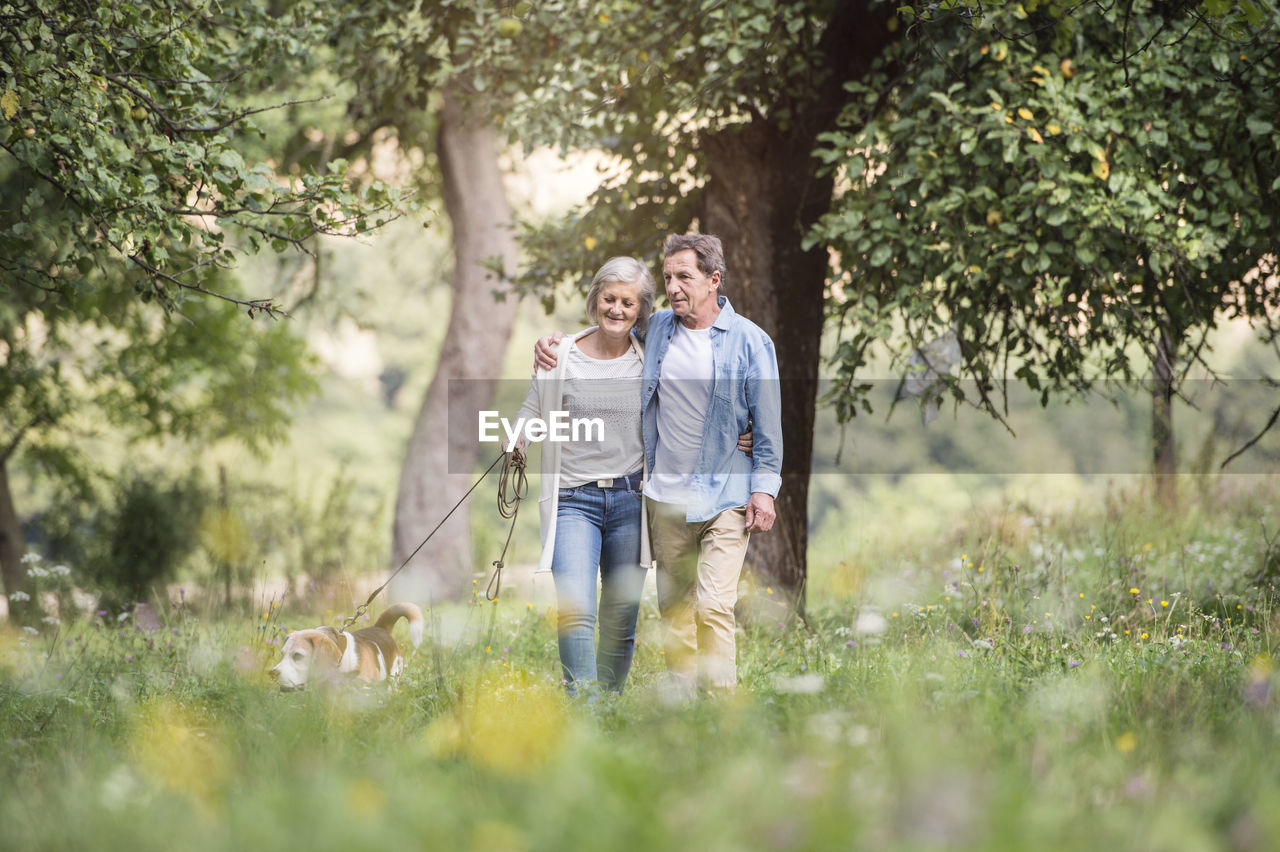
x=1003, y=687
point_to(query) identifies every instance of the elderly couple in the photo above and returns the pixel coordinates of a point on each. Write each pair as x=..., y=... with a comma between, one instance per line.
x=705, y=442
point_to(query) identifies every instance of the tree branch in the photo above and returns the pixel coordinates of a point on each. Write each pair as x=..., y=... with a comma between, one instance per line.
x=1275, y=415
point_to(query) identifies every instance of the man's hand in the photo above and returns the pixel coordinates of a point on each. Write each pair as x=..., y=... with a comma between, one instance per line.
x=543, y=357
x=760, y=513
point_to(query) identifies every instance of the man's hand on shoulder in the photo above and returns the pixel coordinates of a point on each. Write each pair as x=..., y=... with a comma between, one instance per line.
x=544, y=357
x=760, y=513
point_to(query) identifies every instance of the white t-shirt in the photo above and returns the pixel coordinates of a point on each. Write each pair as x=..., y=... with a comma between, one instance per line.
x=609, y=391
x=684, y=393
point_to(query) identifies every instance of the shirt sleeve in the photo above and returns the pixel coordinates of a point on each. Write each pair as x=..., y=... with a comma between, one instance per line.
x=764, y=401
x=532, y=406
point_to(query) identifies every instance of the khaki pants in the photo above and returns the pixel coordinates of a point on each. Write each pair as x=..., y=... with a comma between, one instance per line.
x=698, y=570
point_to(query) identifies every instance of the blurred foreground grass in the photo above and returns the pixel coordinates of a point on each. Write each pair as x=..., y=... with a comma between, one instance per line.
x=1092, y=677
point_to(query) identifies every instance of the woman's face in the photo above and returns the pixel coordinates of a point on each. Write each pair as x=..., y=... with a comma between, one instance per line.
x=618, y=307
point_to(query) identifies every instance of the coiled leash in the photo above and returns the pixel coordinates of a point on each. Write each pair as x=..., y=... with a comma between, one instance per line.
x=509, y=497
x=510, y=492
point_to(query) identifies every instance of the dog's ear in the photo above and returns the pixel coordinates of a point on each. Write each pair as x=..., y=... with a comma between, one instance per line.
x=325, y=651
x=337, y=637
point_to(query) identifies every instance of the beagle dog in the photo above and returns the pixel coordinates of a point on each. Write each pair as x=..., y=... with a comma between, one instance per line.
x=325, y=654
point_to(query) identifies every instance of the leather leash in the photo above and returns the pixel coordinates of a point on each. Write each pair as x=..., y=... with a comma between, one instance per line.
x=510, y=492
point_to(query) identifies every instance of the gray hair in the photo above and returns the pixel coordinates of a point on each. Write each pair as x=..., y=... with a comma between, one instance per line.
x=706, y=248
x=623, y=270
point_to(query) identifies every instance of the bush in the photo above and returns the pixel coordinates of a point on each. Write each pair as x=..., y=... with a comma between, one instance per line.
x=152, y=528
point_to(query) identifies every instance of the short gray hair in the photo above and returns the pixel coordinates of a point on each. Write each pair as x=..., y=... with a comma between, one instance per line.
x=623, y=270
x=706, y=248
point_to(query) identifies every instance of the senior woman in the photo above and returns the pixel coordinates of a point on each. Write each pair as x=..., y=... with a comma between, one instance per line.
x=590, y=504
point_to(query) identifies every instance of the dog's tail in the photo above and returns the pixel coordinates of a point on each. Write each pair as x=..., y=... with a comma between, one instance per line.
x=409, y=612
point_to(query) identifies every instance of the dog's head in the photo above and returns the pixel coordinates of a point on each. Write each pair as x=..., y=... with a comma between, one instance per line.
x=308, y=655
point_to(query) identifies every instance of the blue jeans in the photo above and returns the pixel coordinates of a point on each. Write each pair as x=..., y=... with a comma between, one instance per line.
x=597, y=527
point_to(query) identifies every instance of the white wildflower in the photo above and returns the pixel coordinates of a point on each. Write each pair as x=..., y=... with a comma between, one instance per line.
x=805, y=684
x=19, y=596
x=870, y=623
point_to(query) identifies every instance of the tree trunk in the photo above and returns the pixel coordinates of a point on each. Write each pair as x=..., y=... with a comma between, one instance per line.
x=763, y=195
x=12, y=548
x=470, y=360
x=760, y=211
x=1163, y=458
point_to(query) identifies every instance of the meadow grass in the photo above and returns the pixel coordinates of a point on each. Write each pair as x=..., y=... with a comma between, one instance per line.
x=1096, y=677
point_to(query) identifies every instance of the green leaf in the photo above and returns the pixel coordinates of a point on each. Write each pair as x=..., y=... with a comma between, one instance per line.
x=1259, y=127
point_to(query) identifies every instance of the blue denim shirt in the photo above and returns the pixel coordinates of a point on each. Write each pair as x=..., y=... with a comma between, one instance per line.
x=745, y=385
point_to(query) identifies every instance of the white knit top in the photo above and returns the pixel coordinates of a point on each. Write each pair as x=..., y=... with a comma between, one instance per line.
x=546, y=395
x=607, y=391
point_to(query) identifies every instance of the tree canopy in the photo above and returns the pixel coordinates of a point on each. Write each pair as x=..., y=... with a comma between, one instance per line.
x=1059, y=191
x=122, y=125
x=658, y=87
x=1058, y=186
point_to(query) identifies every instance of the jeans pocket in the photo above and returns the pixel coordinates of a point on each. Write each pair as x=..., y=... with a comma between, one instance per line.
x=567, y=493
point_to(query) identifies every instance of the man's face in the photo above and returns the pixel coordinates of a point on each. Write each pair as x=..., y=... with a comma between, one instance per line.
x=691, y=293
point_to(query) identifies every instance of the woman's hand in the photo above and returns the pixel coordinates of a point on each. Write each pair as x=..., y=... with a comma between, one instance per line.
x=517, y=451
x=746, y=441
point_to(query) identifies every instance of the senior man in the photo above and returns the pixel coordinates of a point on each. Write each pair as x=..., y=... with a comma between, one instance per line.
x=709, y=374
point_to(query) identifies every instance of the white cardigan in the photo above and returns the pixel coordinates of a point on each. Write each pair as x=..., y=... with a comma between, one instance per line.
x=545, y=396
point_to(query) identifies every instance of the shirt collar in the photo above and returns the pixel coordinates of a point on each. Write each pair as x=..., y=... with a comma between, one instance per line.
x=727, y=313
